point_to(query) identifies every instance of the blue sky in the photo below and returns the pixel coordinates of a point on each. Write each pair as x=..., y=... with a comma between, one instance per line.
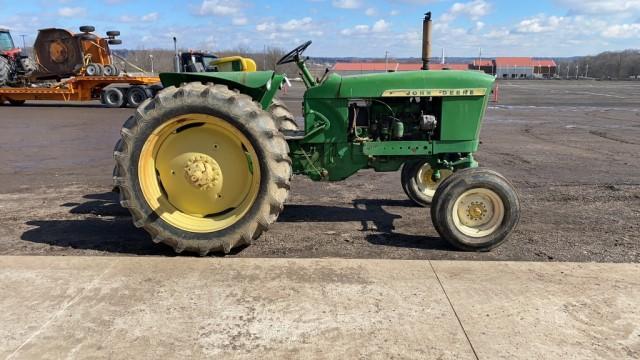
x=347, y=27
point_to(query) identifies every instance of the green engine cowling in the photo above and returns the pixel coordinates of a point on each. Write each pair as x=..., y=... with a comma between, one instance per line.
x=382, y=120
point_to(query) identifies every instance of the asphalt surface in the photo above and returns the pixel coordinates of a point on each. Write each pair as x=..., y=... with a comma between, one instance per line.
x=571, y=149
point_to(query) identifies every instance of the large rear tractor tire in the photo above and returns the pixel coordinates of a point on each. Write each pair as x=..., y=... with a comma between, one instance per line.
x=418, y=183
x=282, y=116
x=5, y=69
x=475, y=209
x=202, y=168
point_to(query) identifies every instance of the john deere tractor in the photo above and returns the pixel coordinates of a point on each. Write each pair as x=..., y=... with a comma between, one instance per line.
x=206, y=165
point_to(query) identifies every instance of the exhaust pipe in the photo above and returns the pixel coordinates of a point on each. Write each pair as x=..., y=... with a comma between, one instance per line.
x=426, y=40
x=176, y=56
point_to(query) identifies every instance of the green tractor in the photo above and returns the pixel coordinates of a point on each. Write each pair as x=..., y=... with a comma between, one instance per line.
x=206, y=164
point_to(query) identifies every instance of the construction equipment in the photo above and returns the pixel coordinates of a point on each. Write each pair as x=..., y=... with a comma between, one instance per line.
x=15, y=68
x=206, y=165
x=62, y=54
x=74, y=67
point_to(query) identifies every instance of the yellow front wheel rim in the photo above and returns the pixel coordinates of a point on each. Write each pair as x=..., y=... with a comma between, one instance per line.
x=199, y=173
x=424, y=179
x=478, y=212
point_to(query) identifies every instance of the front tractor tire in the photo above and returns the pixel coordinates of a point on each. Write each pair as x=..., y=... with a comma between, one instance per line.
x=418, y=182
x=475, y=209
x=202, y=168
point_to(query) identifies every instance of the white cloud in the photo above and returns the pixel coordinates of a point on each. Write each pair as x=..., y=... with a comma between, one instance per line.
x=540, y=24
x=380, y=26
x=370, y=12
x=394, y=12
x=347, y=4
x=474, y=10
x=601, y=6
x=622, y=31
x=219, y=7
x=358, y=29
x=71, y=11
x=296, y=25
x=239, y=21
x=150, y=17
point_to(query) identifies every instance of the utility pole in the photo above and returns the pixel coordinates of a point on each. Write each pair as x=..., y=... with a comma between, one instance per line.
x=386, y=61
x=577, y=71
x=586, y=72
x=442, y=58
x=479, y=58
x=568, y=68
x=24, y=46
x=151, y=58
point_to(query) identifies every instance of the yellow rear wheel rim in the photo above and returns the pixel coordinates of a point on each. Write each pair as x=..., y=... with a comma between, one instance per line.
x=199, y=173
x=424, y=179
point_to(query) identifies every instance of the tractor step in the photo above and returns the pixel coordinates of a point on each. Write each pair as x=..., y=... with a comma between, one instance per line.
x=293, y=134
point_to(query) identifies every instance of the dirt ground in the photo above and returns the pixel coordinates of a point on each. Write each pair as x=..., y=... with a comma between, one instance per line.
x=571, y=149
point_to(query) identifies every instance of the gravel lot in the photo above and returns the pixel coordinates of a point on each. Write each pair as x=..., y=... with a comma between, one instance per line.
x=571, y=149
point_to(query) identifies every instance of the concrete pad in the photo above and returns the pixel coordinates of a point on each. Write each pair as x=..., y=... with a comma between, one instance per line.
x=34, y=290
x=238, y=308
x=546, y=310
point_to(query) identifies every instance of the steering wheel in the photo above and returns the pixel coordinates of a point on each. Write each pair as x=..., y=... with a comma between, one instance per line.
x=294, y=54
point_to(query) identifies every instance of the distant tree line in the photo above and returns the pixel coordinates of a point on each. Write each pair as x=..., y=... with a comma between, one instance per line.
x=621, y=65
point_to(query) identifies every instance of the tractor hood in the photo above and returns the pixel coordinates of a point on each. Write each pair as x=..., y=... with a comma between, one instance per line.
x=375, y=85
x=252, y=80
x=260, y=85
x=389, y=84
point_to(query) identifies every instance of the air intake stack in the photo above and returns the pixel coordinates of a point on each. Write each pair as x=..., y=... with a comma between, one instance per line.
x=426, y=40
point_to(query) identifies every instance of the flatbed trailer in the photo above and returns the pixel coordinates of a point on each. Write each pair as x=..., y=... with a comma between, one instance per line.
x=112, y=91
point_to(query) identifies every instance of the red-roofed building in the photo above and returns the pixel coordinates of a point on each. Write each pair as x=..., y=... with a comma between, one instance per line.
x=524, y=68
x=485, y=65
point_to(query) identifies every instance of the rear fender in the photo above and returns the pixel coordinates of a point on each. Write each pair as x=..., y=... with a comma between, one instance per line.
x=262, y=86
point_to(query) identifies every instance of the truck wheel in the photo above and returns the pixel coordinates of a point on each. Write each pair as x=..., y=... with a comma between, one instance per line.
x=110, y=70
x=17, y=102
x=87, y=29
x=136, y=95
x=113, y=33
x=475, y=209
x=282, y=116
x=417, y=181
x=5, y=69
x=202, y=168
x=94, y=70
x=112, y=97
